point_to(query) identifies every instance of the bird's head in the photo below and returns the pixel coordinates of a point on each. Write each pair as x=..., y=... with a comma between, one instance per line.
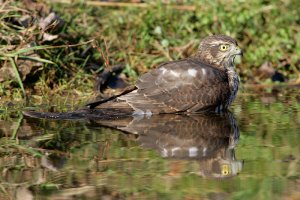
x=218, y=50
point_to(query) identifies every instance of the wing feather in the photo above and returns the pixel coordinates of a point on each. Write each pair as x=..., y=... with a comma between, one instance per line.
x=185, y=85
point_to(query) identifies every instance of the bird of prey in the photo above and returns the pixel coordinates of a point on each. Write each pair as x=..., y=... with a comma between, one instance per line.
x=205, y=82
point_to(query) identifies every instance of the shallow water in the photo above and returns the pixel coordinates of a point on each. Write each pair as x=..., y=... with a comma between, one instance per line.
x=250, y=153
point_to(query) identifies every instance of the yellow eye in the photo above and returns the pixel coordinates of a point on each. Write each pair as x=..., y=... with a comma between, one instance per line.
x=224, y=47
x=225, y=170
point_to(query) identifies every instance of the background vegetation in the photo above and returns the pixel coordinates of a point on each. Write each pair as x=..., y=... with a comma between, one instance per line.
x=49, y=47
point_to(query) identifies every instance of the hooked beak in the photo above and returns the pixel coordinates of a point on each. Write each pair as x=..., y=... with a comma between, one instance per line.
x=237, y=51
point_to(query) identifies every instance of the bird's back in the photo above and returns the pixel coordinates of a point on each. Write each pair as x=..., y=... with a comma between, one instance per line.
x=185, y=85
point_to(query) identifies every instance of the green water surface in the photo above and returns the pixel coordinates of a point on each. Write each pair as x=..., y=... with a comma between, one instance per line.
x=251, y=152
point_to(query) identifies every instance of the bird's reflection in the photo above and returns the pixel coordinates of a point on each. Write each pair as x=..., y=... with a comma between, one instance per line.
x=209, y=139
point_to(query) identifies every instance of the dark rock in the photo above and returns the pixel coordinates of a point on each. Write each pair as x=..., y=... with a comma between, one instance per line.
x=278, y=77
x=109, y=78
x=266, y=71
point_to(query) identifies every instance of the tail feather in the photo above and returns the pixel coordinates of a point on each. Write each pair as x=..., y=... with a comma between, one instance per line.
x=54, y=115
x=109, y=110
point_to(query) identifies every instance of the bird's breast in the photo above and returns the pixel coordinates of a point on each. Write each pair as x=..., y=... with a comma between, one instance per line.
x=233, y=81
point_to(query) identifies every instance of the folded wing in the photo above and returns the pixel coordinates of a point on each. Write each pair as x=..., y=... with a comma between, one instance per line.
x=186, y=85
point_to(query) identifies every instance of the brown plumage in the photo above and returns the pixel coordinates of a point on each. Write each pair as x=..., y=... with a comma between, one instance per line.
x=205, y=82
x=199, y=83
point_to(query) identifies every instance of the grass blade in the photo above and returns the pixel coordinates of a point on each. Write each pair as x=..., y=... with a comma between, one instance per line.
x=37, y=59
x=14, y=66
x=15, y=131
x=26, y=50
